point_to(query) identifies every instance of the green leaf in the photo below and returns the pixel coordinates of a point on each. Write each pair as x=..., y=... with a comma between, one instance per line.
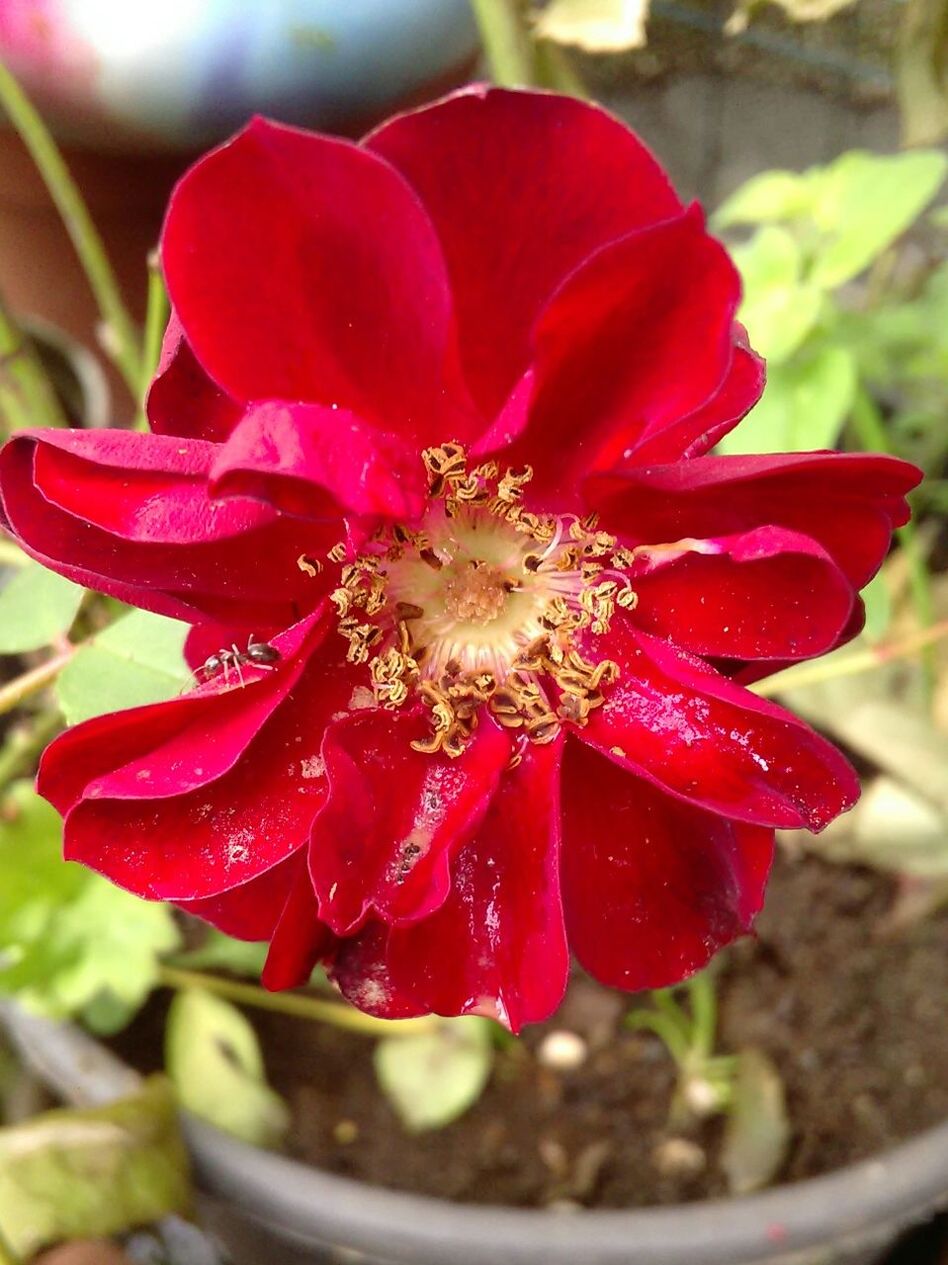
x=36, y=607
x=70, y=942
x=137, y=660
x=803, y=406
x=433, y=1078
x=757, y=1131
x=90, y=1173
x=779, y=309
x=766, y=199
x=214, y=1061
x=863, y=202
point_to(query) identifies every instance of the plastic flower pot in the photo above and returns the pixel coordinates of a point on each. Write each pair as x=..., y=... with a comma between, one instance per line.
x=263, y=1206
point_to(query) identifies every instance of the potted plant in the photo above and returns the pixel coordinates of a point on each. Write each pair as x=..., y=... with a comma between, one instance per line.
x=167, y=799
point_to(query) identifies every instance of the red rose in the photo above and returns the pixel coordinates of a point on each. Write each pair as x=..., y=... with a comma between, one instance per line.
x=431, y=426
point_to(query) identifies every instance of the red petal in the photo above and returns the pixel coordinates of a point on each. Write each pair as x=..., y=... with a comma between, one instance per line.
x=848, y=502
x=129, y=515
x=652, y=888
x=299, y=940
x=182, y=399
x=697, y=433
x=636, y=339
x=497, y=945
x=765, y=594
x=304, y=268
x=395, y=817
x=314, y=461
x=521, y=188
x=252, y=910
x=196, y=843
x=672, y=719
x=360, y=969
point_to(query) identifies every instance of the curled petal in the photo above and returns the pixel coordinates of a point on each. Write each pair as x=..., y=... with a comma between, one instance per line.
x=638, y=337
x=764, y=594
x=299, y=939
x=316, y=462
x=252, y=910
x=130, y=515
x=359, y=967
x=848, y=502
x=673, y=720
x=304, y=268
x=182, y=399
x=652, y=887
x=497, y=945
x=521, y=188
x=394, y=817
x=209, y=807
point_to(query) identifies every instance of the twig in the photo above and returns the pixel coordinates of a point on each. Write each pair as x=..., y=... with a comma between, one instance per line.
x=22, y=687
x=333, y=1012
x=122, y=336
x=506, y=43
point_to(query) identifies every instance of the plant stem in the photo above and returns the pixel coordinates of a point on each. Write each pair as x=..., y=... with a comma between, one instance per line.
x=555, y=70
x=506, y=44
x=851, y=664
x=26, y=394
x=156, y=318
x=703, y=1014
x=24, y=743
x=22, y=687
x=122, y=339
x=872, y=433
x=302, y=1007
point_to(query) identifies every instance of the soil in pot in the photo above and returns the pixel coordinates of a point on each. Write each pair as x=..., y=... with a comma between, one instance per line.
x=853, y=1016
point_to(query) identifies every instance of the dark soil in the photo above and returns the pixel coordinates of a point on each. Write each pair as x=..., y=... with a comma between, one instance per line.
x=854, y=1018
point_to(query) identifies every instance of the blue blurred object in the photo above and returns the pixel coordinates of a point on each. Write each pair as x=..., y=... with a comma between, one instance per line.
x=181, y=74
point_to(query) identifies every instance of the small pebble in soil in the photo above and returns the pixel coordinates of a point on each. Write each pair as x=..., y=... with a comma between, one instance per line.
x=562, y=1051
x=679, y=1157
x=345, y=1132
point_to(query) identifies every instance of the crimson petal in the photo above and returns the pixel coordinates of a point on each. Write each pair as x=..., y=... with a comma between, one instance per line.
x=673, y=720
x=652, y=887
x=182, y=399
x=763, y=594
x=497, y=946
x=609, y=370
x=311, y=461
x=394, y=817
x=299, y=939
x=129, y=515
x=304, y=268
x=521, y=188
x=848, y=502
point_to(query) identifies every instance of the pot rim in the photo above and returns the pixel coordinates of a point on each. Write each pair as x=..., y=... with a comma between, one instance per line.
x=863, y=1203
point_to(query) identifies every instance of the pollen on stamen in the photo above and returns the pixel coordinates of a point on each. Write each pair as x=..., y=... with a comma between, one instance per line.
x=483, y=604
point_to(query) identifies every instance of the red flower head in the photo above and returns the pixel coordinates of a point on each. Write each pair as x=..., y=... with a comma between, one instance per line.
x=431, y=428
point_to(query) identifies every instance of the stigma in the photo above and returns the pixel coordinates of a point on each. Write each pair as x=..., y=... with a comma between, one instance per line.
x=484, y=605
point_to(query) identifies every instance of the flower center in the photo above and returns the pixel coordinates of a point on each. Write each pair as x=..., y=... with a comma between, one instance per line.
x=484, y=604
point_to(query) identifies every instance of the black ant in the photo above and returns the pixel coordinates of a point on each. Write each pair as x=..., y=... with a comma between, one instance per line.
x=259, y=654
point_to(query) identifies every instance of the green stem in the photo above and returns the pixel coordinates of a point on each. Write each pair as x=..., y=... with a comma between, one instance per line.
x=506, y=43
x=22, y=687
x=156, y=318
x=665, y=1029
x=555, y=70
x=27, y=397
x=24, y=743
x=703, y=1014
x=300, y=1006
x=121, y=336
x=851, y=664
x=872, y=433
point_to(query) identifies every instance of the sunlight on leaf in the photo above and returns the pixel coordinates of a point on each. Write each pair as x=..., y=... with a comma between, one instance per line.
x=596, y=26
x=70, y=942
x=36, y=607
x=433, y=1078
x=213, y=1058
x=137, y=660
x=757, y=1130
x=779, y=309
